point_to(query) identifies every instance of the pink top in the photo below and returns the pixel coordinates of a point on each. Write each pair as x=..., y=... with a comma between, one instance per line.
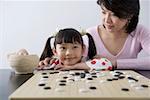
x=127, y=57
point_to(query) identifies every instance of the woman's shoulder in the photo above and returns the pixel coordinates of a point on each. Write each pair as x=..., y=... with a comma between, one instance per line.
x=92, y=29
x=141, y=27
x=141, y=30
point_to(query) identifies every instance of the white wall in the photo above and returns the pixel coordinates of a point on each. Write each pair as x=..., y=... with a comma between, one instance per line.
x=28, y=23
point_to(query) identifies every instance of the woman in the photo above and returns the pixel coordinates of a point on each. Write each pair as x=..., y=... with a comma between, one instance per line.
x=120, y=38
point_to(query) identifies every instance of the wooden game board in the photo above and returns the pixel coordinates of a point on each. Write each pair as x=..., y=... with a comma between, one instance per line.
x=106, y=89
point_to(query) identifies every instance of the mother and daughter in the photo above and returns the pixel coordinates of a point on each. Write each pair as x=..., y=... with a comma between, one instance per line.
x=114, y=44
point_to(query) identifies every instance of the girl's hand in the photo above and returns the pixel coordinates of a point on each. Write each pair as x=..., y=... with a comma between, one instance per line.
x=62, y=67
x=46, y=62
x=81, y=66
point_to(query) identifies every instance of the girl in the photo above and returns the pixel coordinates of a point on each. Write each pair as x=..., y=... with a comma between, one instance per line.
x=71, y=52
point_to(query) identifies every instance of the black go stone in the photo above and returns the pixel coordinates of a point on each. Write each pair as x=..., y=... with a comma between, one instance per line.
x=62, y=80
x=65, y=77
x=89, y=78
x=93, y=73
x=94, y=76
x=109, y=79
x=125, y=89
x=131, y=78
x=121, y=77
x=41, y=84
x=92, y=87
x=86, y=71
x=62, y=84
x=44, y=73
x=77, y=73
x=45, y=76
x=47, y=88
x=145, y=86
x=117, y=75
x=56, y=72
x=51, y=73
x=120, y=73
x=82, y=75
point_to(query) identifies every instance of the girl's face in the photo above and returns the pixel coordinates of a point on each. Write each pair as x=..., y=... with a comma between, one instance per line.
x=111, y=22
x=69, y=53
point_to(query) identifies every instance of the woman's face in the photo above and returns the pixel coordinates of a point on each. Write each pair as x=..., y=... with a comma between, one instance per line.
x=69, y=53
x=111, y=22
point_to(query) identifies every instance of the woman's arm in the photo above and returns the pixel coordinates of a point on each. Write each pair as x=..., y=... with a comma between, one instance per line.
x=142, y=63
x=142, y=35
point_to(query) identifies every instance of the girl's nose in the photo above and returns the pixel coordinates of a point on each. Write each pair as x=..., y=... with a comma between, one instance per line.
x=69, y=52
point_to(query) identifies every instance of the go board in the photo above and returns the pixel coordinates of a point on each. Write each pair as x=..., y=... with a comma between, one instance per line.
x=81, y=85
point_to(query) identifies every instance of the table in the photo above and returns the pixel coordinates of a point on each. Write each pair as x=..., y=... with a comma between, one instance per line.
x=9, y=81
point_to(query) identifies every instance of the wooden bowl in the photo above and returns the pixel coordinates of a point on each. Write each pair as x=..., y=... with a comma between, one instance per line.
x=23, y=64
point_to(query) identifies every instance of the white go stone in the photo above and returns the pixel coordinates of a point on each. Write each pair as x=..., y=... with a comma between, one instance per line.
x=133, y=85
x=89, y=81
x=59, y=90
x=42, y=82
x=102, y=81
x=71, y=72
x=82, y=90
x=128, y=75
x=69, y=75
x=139, y=88
x=70, y=80
x=77, y=78
x=138, y=77
x=131, y=81
x=43, y=79
x=58, y=80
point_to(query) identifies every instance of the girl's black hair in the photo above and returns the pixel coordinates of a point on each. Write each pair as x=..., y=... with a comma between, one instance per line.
x=92, y=48
x=125, y=9
x=68, y=36
x=47, y=52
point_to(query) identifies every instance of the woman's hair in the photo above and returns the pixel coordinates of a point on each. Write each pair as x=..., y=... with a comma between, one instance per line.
x=68, y=35
x=125, y=9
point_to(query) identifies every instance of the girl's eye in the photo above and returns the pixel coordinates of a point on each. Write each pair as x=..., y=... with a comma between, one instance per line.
x=62, y=48
x=76, y=47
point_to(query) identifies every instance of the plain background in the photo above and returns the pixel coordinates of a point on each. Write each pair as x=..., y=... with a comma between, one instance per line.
x=28, y=23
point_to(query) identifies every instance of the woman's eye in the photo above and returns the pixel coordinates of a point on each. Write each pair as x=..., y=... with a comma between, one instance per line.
x=113, y=14
x=103, y=12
